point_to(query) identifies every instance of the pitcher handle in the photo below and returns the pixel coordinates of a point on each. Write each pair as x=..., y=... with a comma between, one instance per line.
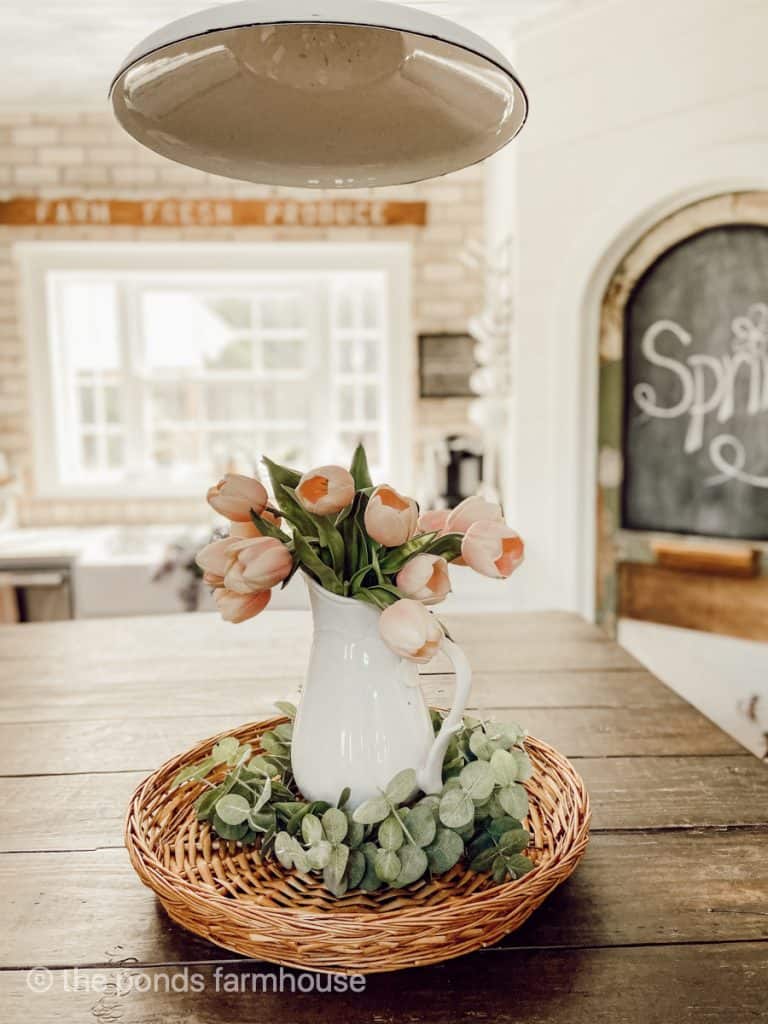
x=430, y=777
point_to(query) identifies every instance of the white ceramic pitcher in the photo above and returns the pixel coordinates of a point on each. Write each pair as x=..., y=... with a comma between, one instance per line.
x=362, y=717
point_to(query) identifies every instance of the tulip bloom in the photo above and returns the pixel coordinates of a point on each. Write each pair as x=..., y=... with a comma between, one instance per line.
x=239, y=607
x=409, y=630
x=425, y=578
x=390, y=518
x=214, y=559
x=472, y=510
x=234, y=496
x=433, y=521
x=492, y=549
x=250, y=529
x=326, y=490
x=257, y=564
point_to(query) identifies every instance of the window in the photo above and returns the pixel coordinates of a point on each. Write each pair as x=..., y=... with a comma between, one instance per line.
x=160, y=369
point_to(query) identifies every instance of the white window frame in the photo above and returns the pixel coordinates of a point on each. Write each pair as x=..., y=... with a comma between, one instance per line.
x=37, y=259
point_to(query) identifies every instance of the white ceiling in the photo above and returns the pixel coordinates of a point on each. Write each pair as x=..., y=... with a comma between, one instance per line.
x=62, y=53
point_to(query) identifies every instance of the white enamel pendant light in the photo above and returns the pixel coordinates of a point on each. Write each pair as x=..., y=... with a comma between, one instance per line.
x=319, y=93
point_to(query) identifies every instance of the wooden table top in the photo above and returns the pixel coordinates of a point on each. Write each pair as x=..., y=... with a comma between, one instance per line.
x=664, y=922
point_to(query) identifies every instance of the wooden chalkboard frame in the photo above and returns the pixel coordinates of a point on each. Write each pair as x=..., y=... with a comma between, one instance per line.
x=615, y=545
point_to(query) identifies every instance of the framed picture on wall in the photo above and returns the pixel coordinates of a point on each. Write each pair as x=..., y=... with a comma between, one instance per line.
x=446, y=363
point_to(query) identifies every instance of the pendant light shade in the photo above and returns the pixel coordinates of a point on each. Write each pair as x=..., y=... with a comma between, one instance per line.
x=331, y=94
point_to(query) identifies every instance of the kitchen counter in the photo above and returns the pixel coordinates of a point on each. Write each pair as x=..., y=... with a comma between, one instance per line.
x=663, y=921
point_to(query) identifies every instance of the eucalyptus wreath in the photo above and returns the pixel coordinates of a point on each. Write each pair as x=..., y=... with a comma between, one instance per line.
x=391, y=840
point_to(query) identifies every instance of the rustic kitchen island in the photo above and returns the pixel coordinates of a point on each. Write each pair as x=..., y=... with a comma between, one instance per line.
x=665, y=919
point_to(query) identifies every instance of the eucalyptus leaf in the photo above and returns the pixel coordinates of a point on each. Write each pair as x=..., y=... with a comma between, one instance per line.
x=356, y=866
x=288, y=709
x=456, y=808
x=311, y=829
x=421, y=825
x=335, y=825
x=204, y=804
x=232, y=809
x=370, y=881
x=514, y=841
x=514, y=800
x=483, y=860
x=413, y=864
x=391, y=833
x=477, y=780
x=355, y=832
x=225, y=749
x=446, y=850
x=387, y=865
x=226, y=831
x=319, y=855
x=372, y=811
x=504, y=767
x=519, y=865
x=194, y=772
x=344, y=796
x=337, y=862
x=402, y=786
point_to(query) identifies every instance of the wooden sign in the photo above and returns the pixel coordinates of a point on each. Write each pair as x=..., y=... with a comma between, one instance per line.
x=30, y=211
x=696, y=388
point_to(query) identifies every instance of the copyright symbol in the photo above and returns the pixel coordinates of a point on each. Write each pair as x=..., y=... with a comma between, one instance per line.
x=39, y=979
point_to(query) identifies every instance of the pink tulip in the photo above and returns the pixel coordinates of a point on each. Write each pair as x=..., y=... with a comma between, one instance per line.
x=214, y=560
x=425, y=578
x=433, y=521
x=250, y=529
x=257, y=564
x=234, y=496
x=492, y=549
x=390, y=518
x=472, y=510
x=239, y=607
x=409, y=630
x=326, y=490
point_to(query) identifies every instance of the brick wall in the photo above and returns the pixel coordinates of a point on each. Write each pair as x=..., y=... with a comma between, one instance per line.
x=89, y=155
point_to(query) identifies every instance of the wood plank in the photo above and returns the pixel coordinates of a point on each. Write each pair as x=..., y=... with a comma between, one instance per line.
x=720, y=559
x=694, y=600
x=173, y=645
x=170, y=212
x=627, y=793
x=699, y=984
x=50, y=700
x=136, y=744
x=90, y=908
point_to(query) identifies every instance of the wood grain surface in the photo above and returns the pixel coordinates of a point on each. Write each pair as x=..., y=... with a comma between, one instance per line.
x=665, y=920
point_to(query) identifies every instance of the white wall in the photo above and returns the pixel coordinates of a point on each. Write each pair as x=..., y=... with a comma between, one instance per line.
x=637, y=106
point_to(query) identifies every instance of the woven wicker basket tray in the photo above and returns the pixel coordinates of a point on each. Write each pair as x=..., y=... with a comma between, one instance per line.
x=228, y=895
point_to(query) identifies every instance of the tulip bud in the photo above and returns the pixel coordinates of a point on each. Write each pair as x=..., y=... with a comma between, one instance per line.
x=234, y=496
x=425, y=578
x=257, y=564
x=390, y=518
x=250, y=529
x=492, y=549
x=326, y=490
x=214, y=559
x=433, y=521
x=472, y=510
x=409, y=630
x=239, y=607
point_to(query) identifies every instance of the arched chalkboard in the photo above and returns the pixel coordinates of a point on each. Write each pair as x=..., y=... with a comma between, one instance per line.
x=695, y=438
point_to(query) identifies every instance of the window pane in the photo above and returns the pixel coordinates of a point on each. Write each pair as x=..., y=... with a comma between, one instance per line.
x=90, y=452
x=111, y=404
x=282, y=310
x=232, y=401
x=175, y=448
x=233, y=311
x=290, y=446
x=283, y=355
x=347, y=402
x=286, y=400
x=88, y=324
x=370, y=402
x=87, y=405
x=184, y=331
x=115, y=452
x=175, y=402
